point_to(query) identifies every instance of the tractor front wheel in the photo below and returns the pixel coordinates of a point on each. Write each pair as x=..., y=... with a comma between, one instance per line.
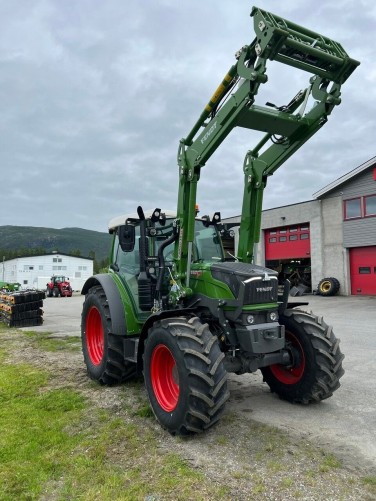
x=185, y=378
x=316, y=360
x=102, y=350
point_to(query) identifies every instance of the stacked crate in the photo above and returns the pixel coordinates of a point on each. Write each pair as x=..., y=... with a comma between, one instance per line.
x=22, y=309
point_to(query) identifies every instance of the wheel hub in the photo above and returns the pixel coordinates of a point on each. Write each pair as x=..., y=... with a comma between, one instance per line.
x=94, y=336
x=165, y=378
x=292, y=373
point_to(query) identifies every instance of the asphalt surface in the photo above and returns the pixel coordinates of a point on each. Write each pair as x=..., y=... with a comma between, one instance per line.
x=345, y=423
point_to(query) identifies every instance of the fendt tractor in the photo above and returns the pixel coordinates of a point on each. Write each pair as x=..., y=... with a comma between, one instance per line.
x=172, y=305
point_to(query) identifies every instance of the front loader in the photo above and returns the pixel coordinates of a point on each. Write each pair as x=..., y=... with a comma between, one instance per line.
x=172, y=305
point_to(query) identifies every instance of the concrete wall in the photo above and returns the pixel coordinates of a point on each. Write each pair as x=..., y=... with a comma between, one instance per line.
x=334, y=255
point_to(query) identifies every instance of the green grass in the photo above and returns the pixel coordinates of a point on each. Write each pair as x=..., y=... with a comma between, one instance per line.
x=54, y=444
x=45, y=341
x=33, y=444
x=370, y=483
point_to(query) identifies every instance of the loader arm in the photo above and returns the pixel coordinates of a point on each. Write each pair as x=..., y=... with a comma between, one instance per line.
x=286, y=128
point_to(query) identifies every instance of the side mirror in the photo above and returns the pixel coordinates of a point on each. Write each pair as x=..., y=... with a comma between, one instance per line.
x=127, y=237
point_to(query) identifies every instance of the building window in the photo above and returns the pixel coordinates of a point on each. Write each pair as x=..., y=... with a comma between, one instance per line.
x=27, y=267
x=41, y=266
x=283, y=230
x=294, y=229
x=272, y=240
x=304, y=228
x=304, y=236
x=77, y=274
x=25, y=282
x=370, y=205
x=353, y=208
x=282, y=239
x=364, y=270
x=293, y=237
x=56, y=260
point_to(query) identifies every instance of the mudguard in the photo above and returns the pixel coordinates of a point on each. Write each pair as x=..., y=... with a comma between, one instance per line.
x=105, y=280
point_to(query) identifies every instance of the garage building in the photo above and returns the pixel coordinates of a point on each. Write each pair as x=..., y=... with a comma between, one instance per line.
x=333, y=235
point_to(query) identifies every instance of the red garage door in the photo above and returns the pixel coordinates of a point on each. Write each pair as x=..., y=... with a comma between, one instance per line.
x=363, y=270
x=288, y=242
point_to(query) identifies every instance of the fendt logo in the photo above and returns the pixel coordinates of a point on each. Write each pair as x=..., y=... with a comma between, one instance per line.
x=209, y=133
x=263, y=289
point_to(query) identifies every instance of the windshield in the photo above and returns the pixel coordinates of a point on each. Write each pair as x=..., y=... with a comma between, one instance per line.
x=206, y=246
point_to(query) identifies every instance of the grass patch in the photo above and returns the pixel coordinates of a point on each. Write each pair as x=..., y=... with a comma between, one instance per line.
x=33, y=444
x=46, y=341
x=370, y=483
x=55, y=445
x=144, y=411
x=329, y=462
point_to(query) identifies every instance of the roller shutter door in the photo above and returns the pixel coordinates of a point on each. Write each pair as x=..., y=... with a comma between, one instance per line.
x=363, y=270
x=288, y=242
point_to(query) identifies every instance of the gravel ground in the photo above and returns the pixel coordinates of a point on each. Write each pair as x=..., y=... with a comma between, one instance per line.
x=251, y=460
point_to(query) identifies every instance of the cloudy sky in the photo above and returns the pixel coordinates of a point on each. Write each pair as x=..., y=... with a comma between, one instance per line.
x=95, y=96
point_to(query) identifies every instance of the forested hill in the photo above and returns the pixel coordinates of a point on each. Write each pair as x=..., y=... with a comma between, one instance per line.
x=26, y=240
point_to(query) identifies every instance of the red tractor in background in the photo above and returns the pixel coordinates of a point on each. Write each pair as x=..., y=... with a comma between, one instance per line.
x=59, y=286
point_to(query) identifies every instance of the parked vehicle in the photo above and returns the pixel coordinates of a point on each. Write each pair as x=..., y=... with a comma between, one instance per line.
x=59, y=286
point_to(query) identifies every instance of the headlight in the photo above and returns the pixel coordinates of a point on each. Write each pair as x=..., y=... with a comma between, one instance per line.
x=250, y=319
x=273, y=316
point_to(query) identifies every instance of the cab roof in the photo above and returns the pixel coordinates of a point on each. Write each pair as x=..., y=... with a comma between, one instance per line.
x=120, y=220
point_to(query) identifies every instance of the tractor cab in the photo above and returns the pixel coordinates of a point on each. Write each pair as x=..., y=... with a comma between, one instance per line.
x=143, y=254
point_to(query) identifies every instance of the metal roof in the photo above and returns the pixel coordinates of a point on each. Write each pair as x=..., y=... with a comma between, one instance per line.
x=345, y=177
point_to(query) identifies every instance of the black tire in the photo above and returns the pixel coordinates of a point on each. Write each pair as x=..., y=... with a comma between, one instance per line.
x=185, y=378
x=48, y=292
x=56, y=292
x=102, y=350
x=328, y=287
x=317, y=360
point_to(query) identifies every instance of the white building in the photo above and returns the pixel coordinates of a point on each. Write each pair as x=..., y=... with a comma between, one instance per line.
x=33, y=272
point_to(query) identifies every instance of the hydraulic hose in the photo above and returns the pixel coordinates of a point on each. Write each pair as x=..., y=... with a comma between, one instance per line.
x=162, y=262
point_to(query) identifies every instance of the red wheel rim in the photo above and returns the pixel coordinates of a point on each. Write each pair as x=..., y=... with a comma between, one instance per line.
x=94, y=336
x=164, y=378
x=291, y=374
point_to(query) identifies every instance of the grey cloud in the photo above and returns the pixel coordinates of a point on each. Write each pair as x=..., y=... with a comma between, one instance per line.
x=95, y=97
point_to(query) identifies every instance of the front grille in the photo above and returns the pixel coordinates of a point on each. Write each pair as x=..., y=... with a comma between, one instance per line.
x=259, y=291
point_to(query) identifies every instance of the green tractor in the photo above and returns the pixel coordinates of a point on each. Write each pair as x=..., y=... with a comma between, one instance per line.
x=173, y=306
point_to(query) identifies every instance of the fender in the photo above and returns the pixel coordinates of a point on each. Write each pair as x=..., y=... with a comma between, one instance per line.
x=119, y=325
x=150, y=321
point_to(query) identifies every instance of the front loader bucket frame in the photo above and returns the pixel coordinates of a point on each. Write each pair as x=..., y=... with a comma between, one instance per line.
x=286, y=128
x=289, y=43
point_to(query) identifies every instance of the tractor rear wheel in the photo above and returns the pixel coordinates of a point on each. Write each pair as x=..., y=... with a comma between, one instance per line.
x=102, y=350
x=316, y=360
x=185, y=378
x=48, y=292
